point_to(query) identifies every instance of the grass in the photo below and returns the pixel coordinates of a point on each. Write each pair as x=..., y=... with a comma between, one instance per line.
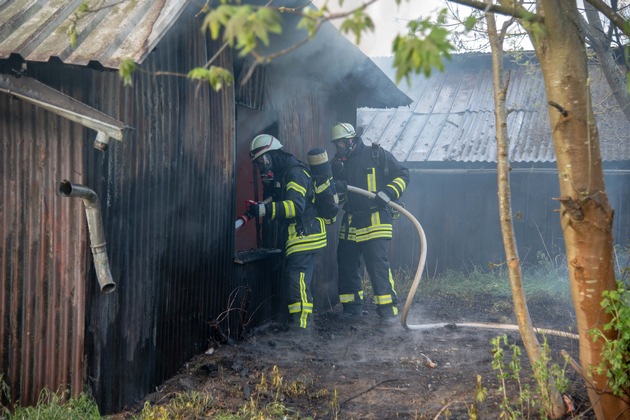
x=547, y=279
x=265, y=402
x=56, y=406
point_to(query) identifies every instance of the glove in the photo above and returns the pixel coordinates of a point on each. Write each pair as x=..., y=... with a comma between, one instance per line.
x=381, y=199
x=256, y=209
x=336, y=167
x=341, y=186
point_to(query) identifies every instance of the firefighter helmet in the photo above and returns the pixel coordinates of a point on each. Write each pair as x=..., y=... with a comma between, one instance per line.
x=343, y=131
x=262, y=144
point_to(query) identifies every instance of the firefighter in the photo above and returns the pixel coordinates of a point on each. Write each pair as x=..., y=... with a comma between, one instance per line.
x=288, y=182
x=366, y=228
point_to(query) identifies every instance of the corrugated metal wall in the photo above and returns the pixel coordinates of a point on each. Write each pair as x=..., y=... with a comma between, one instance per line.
x=458, y=210
x=167, y=201
x=43, y=252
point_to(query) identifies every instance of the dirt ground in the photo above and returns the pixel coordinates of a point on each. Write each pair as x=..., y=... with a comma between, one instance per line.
x=377, y=372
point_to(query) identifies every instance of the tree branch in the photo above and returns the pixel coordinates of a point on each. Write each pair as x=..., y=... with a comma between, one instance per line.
x=614, y=17
x=559, y=107
x=519, y=13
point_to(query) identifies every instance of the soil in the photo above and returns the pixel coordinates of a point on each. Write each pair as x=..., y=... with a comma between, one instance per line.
x=378, y=372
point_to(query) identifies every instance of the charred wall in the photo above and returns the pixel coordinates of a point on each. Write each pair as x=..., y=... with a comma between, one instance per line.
x=167, y=201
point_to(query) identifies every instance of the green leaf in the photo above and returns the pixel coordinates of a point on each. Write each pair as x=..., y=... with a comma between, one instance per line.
x=216, y=19
x=470, y=22
x=424, y=48
x=127, y=67
x=310, y=20
x=217, y=77
x=357, y=24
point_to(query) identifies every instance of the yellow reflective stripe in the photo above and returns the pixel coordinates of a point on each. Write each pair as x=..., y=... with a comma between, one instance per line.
x=375, y=235
x=296, y=187
x=273, y=210
x=304, y=319
x=320, y=188
x=299, y=307
x=376, y=218
x=365, y=234
x=303, y=295
x=289, y=208
x=346, y=298
x=306, y=243
x=398, y=185
x=371, y=232
x=306, y=247
x=401, y=182
x=391, y=280
x=371, y=180
x=383, y=299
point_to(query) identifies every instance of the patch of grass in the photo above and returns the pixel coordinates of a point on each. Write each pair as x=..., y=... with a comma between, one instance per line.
x=185, y=405
x=546, y=280
x=52, y=405
x=531, y=400
x=266, y=402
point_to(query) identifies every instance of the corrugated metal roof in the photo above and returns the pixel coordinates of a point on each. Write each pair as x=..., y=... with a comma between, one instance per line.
x=115, y=30
x=37, y=30
x=452, y=115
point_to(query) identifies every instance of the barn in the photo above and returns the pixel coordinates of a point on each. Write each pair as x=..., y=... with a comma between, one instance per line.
x=117, y=203
x=447, y=139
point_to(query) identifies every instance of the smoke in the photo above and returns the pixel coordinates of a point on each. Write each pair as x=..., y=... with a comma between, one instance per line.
x=389, y=20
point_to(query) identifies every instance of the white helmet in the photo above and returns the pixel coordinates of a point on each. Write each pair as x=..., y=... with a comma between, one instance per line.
x=262, y=144
x=343, y=131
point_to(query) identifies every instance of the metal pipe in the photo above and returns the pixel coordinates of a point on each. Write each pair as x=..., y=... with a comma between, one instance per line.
x=95, y=227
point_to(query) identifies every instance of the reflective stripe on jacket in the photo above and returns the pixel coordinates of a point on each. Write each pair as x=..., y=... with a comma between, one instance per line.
x=295, y=204
x=362, y=220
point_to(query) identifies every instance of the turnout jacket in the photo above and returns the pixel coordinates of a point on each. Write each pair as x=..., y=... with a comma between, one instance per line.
x=293, y=206
x=373, y=169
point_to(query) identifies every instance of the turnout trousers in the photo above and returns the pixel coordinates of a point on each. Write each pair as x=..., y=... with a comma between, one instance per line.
x=374, y=252
x=298, y=274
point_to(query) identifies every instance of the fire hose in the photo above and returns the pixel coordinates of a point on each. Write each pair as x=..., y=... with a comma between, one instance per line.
x=244, y=218
x=418, y=274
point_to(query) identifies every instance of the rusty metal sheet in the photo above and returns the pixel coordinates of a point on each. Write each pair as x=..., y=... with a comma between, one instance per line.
x=112, y=32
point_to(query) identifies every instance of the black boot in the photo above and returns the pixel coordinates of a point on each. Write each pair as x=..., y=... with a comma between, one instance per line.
x=352, y=310
x=301, y=322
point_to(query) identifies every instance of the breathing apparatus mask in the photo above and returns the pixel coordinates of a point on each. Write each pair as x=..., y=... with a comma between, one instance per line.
x=344, y=137
x=259, y=153
x=264, y=164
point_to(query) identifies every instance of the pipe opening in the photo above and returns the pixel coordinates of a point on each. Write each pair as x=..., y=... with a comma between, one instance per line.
x=108, y=288
x=65, y=188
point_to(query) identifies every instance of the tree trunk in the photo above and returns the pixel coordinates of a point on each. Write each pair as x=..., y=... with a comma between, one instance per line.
x=553, y=401
x=585, y=214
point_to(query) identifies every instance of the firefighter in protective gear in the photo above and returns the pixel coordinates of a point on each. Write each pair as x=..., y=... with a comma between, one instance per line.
x=288, y=182
x=366, y=228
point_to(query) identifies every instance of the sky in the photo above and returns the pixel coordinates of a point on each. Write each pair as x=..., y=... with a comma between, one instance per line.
x=389, y=20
